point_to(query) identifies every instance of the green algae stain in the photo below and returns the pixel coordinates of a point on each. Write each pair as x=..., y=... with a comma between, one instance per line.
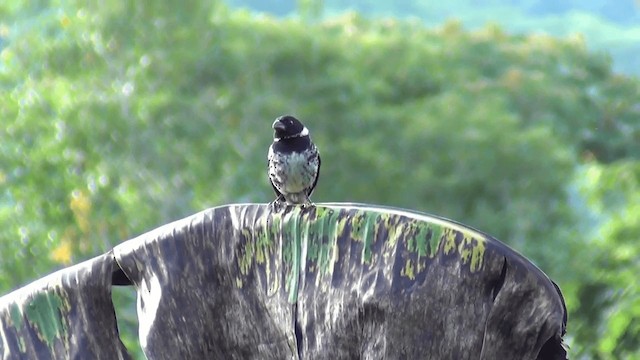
x=357, y=221
x=308, y=245
x=292, y=227
x=331, y=220
x=317, y=249
x=325, y=258
x=272, y=230
x=18, y=321
x=262, y=244
x=317, y=245
x=408, y=270
x=472, y=252
x=261, y=254
x=417, y=235
x=16, y=316
x=368, y=236
x=410, y=238
x=422, y=232
x=362, y=230
x=449, y=241
x=262, y=239
x=477, y=259
x=341, y=227
x=434, y=239
x=245, y=260
x=258, y=248
x=266, y=245
x=44, y=312
x=321, y=211
x=395, y=231
x=314, y=249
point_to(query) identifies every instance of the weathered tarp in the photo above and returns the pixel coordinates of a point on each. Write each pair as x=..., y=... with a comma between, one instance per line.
x=66, y=315
x=335, y=281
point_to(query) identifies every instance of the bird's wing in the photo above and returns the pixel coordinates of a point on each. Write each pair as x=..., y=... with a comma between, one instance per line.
x=315, y=181
x=278, y=193
x=269, y=158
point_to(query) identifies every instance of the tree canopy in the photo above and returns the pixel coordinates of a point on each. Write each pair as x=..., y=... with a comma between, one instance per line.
x=121, y=116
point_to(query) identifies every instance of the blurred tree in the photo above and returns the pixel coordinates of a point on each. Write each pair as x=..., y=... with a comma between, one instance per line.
x=122, y=116
x=610, y=297
x=310, y=10
x=608, y=26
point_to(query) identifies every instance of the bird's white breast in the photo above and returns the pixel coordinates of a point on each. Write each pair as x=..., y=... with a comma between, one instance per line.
x=293, y=172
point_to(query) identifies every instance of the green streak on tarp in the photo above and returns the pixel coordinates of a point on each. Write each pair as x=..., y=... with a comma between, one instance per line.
x=434, y=240
x=408, y=270
x=330, y=219
x=44, y=312
x=472, y=252
x=312, y=232
x=246, y=259
x=394, y=227
x=325, y=247
x=449, y=241
x=296, y=254
x=18, y=321
x=367, y=232
x=16, y=316
x=422, y=232
x=272, y=263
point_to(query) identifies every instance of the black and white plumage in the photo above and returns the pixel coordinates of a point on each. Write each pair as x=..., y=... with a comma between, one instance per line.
x=294, y=161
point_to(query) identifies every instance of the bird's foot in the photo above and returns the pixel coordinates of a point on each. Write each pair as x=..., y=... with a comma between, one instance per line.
x=307, y=203
x=277, y=204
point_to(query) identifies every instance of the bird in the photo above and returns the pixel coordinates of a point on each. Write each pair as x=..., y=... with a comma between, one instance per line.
x=294, y=162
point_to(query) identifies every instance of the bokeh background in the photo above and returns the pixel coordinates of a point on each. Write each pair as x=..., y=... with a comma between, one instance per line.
x=518, y=117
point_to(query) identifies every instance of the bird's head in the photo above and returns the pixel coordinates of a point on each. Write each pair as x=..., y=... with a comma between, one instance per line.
x=287, y=126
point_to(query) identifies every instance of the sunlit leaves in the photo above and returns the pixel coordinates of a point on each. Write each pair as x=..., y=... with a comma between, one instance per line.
x=613, y=197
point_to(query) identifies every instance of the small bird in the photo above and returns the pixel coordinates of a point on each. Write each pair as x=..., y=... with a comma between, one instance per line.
x=294, y=162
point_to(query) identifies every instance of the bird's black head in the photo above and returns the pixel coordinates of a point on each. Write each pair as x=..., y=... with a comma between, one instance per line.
x=288, y=127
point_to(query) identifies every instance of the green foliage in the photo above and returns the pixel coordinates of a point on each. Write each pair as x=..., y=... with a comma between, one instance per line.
x=607, y=25
x=119, y=117
x=611, y=297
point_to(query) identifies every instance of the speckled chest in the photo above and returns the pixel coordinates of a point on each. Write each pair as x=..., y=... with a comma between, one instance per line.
x=293, y=171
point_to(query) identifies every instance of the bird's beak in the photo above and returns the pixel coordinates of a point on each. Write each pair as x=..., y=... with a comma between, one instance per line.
x=278, y=125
